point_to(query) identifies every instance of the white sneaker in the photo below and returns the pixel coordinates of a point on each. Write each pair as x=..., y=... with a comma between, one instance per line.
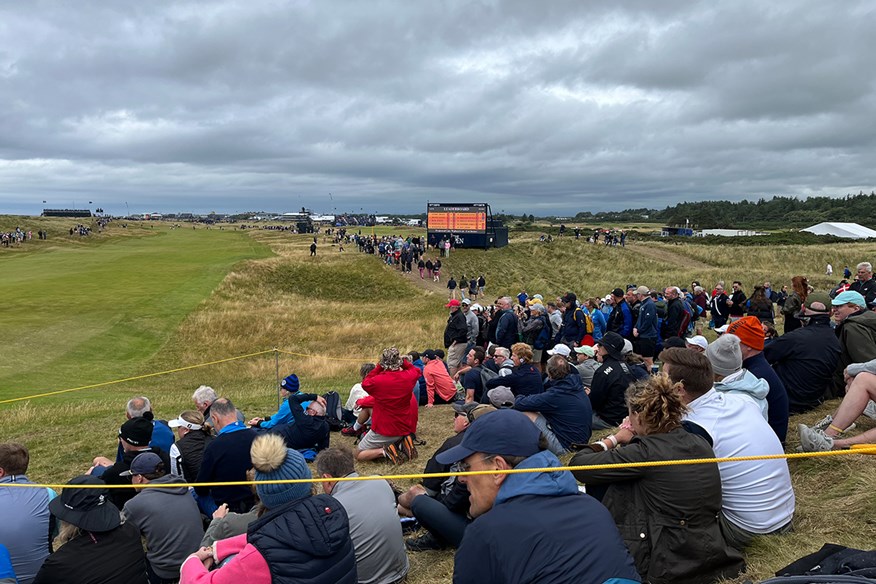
x=827, y=420
x=870, y=410
x=814, y=440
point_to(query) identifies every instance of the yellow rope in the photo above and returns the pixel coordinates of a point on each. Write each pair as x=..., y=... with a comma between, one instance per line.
x=135, y=378
x=861, y=449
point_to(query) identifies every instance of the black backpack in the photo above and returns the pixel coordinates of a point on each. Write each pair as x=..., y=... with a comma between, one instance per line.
x=336, y=416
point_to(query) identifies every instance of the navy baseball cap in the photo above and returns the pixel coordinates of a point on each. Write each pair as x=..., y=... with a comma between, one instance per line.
x=503, y=432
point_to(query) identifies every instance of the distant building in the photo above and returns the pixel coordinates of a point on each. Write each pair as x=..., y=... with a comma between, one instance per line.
x=729, y=232
x=669, y=231
x=847, y=230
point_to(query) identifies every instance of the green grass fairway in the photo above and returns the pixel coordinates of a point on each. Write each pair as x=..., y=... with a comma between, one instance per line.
x=82, y=315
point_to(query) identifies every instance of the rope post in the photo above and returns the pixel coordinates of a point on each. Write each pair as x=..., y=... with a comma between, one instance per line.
x=277, y=375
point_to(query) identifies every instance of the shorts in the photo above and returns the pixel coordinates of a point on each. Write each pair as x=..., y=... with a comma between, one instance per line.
x=374, y=440
x=646, y=347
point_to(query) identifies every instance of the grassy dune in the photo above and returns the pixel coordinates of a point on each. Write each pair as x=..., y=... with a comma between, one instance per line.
x=336, y=311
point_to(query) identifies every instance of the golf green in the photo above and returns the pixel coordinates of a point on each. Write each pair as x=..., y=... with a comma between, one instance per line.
x=76, y=316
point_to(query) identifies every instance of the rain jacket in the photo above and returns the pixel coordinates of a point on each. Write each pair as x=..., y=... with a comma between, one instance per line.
x=744, y=382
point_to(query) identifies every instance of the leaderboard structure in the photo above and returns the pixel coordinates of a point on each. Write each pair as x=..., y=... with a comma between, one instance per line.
x=465, y=224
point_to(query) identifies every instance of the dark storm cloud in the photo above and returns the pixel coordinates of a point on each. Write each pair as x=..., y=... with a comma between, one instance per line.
x=545, y=107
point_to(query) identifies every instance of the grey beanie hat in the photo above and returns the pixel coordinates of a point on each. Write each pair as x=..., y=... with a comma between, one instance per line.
x=725, y=355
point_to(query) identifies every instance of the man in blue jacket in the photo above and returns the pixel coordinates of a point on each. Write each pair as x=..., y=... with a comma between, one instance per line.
x=506, y=329
x=530, y=527
x=562, y=412
x=574, y=324
x=645, y=331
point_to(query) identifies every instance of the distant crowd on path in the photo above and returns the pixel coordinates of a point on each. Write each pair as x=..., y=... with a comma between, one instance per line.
x=528, y=381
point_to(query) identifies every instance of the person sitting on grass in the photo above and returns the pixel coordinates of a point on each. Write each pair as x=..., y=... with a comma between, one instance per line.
x=309, y=428
x=289, y=386
x=441, y=504
x=524, y=378
x=530, y=527
x=187, y=453
x=440, y=387
x=299, y=538
x=562, y=412
x=360, y=410
x=395, y=413
x=653, y=506
x=730, y=377
x=860, y=392
x=374, y=526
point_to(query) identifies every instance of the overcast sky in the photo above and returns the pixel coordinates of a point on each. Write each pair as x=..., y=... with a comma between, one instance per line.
x=538, y=107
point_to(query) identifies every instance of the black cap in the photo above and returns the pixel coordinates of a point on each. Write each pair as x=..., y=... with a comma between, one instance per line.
x=569, y=297
x=617, y=293
x=613, y=344
x=136, y=432
x=429, y=354
x=87, y=509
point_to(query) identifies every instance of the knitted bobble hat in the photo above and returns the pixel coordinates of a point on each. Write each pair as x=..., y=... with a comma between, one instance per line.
x=725, y=355
x=273, y=461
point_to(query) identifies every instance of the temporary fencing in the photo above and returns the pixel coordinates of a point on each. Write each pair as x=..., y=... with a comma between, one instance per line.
x=857, y=449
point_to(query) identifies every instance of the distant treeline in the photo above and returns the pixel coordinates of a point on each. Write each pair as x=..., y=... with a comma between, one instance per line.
x=763, y=213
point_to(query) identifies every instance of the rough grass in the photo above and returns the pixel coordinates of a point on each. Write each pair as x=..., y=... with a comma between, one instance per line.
x=309, y=306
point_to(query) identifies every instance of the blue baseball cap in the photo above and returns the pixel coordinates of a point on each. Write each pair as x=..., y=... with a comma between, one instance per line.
x=503, y=432
x=849, y=297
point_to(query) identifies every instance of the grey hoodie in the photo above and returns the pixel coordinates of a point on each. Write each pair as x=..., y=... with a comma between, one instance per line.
x=170, y=521
x=745, y=383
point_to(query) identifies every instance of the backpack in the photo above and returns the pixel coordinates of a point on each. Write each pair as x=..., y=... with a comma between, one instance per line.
x=687, y=321
x=336, y=417
x=544, y=335
x=486, y=375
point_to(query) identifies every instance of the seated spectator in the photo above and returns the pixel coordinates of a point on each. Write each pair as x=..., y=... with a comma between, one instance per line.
x=441, y=504
x=203, y=398
x=7, y=572
x=697, y=343
x=586, y=364
x=524, y=378
x=726, y=359
x=95, y=545
x=226, y=459
x=167, y=517
x=471, y=379
x=162, y=435
x=309, y=429
x=187, y=453
x=395, y=413
x=299, y=538
x=440, y=387
x=636, y=363
x=357, y=394
x=757, y=495
x=562, y=412
x=374, y=525
x=610, y=383
x=501, y=361
x=856, y=331
x=289, y=386
x=26, y=527
x=860, y=393
x=668, y=516
x=533, y=527
x=134, y=437
x=806, y=358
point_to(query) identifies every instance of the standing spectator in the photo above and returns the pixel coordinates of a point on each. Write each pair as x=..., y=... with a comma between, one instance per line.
x=95, y=545
x=718, y=307
x=556, y=318
x=473, y=328
x=597, y=317
x=506, y=328
x=166, y=517
x=737, y=301
x=429, y=266
x=534, y=527
x=395, y=413
x=313, y=248
x=482, y=284
x=760, y=305
x=645, y=330
x=473, y=288
x=675, y=314
x=187, y=453
x=374, y=526
x=451, y=286
x=574, y=322
x=847, y=273
x=25, y=528
x=794, y=302
x=421, y=266
x=620, y=320
x=522, y=297
x=865, y=284
x=226, y=459
x=829, y=270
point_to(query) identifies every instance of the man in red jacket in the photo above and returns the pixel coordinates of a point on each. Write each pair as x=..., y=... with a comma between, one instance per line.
x=394, y=418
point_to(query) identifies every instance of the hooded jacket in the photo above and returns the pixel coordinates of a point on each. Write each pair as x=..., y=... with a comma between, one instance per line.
x=744, y=382
x=668, y=516
x=542, y=529
x=506, y=328
x=566, y=408
x=621, y=320
x=306, y=541
x=608, y=391
x=170, y=521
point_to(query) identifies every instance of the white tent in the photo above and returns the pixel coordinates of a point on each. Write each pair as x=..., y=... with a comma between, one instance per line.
x=848, y=230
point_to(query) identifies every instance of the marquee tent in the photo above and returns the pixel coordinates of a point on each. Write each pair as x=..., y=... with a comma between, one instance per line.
x=848, y=230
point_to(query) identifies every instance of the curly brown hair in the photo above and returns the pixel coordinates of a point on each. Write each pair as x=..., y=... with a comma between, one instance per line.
x=800, y=284
x=658, y=403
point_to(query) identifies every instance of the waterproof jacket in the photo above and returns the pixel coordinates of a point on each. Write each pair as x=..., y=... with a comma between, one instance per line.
x=867, y=289
x=542, y=529
x=574, y=326
x=745, y=383
x=857, y=337
x=805, y=360
x=566, y=408
x=777, y=397
x=668, y=516
x=506, y=328
x=646, y=324
x=608, y=391
x=674, y=319
x=306, y=541
x=621, y=320
x=395, y=410
x=189, y=453
x=524, y=379
x=304, y=431
x=456, y=329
